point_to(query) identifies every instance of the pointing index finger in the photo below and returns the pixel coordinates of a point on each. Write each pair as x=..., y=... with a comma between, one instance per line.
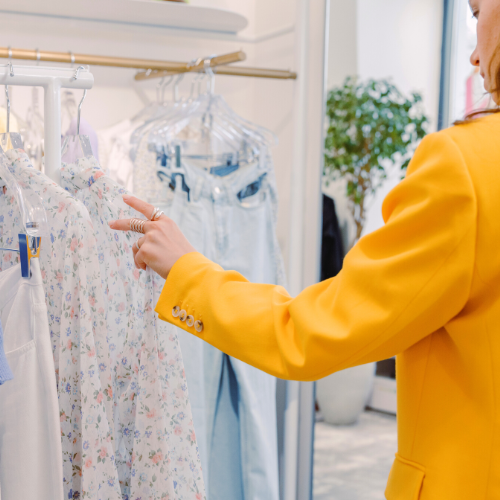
x=144, y=208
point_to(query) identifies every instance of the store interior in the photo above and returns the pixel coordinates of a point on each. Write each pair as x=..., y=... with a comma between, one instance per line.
x=334, y=439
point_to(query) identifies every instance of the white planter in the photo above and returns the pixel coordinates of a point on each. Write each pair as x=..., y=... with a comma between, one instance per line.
x=342, y=396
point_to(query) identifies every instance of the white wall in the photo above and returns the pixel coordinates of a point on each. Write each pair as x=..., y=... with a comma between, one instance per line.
x=400, y=40
x=343, y=43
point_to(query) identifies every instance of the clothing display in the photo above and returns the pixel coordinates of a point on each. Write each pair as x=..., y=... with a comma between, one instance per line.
x=149, y=388
x=332, y=248
x=138, y=412
x=5, y=371
x=30, y=443
x=231, y=219
x=71, y=278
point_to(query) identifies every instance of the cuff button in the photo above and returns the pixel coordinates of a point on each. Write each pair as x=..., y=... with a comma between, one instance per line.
x=190, y=321
x=183, y=315
x=175, y=311
x=198, y=326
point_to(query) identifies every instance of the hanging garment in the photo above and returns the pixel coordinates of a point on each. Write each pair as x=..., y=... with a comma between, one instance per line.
x=85, y=129
x=232, y=220
x=332, y=248
x=73, y=292
x=145, y=181
x=5, y=371
x=156, y=451
x=30, y=435
x=73, y=150
x=114, y=152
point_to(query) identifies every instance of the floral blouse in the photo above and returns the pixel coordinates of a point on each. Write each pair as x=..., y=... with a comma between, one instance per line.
x=156, y=450
x=78, y=329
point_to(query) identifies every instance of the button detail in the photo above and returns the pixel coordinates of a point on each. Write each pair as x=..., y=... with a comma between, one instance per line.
x=183, y=315
x=175, y=311
x=198, y=326
x=190, y=321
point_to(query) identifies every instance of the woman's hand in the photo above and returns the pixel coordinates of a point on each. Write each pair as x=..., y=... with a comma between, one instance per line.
x=163, y=243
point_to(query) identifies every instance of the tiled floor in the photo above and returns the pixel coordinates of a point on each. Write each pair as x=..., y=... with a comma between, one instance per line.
x=353, y=462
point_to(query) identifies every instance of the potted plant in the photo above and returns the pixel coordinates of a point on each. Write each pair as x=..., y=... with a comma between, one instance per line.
x=372, y=128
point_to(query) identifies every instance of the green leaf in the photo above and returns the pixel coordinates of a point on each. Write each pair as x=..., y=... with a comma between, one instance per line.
x=371, y=127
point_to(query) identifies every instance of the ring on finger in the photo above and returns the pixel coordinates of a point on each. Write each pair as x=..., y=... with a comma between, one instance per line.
x=157, y=213
x=137, y=245
x=137, y=225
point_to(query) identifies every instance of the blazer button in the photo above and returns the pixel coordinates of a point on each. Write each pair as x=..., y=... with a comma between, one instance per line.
x=198, y=326
x=175, y=311
x=183, y=315
x=190, y=321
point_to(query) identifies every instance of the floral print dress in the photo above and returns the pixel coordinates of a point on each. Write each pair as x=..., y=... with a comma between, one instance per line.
x=72, y=281
x=156, y=450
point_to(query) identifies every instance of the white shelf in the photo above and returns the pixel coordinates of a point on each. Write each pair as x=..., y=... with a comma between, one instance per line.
x=135, y=12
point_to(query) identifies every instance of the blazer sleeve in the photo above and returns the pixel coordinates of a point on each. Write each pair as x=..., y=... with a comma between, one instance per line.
x=398, y=284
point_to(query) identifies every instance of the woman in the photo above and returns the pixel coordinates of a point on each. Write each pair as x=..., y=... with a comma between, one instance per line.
x=425, y=287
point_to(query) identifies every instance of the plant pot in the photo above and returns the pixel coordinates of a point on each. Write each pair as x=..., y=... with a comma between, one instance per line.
x=342, y=396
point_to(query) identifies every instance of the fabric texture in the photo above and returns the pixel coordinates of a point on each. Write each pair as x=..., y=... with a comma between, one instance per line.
x=231, y=219
x=71, y=278
x=30, y=436
x=156, y=450
x=5, y=371
x=424, y=287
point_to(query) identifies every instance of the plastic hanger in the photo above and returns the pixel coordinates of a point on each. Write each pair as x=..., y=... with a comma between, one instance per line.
x=10, y=140
x=222, y=134
x=29, y=248
x=76, y=146
x=154, y=112
x=30, y=204
x=33, y=215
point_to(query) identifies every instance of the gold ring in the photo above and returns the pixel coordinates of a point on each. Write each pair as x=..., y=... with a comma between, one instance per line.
x=137, y=225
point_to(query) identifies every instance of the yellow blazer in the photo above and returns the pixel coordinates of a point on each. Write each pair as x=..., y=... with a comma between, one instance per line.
x=425, y=287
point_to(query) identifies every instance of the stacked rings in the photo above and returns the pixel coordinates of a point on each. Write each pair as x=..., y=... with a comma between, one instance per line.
x=137, y=225
x=157, y=213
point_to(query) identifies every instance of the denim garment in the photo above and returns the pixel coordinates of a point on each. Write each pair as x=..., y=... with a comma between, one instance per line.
x=232, y=221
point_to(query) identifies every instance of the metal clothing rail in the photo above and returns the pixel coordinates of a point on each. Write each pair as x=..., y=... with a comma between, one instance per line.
x=157, y=68
x=52, y=80
x=230, y=70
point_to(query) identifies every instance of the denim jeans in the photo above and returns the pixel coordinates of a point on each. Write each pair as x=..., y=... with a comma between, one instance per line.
x=231, y=220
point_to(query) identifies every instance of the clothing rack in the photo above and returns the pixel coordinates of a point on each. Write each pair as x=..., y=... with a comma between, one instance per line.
x=52, y=80
x=154, y=68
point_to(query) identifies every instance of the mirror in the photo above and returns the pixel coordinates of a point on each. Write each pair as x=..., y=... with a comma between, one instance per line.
x=392, y=46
